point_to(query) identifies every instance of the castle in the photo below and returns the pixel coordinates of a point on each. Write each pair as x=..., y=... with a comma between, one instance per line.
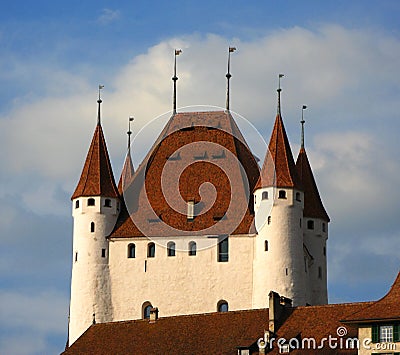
x=197, y=228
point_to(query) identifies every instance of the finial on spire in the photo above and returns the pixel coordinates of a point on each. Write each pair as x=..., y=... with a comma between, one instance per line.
x=302, y=125
x=99, y=101
x=279, y=92
x=129, y=131
x=228, y=75
x=174, y=79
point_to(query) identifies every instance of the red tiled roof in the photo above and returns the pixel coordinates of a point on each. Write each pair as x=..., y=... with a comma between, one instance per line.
x=385, y=309
x=313, y=207
x=194, y=148
x=97, y=178
x=126, y=174
x=278, y=169
x=215, y=333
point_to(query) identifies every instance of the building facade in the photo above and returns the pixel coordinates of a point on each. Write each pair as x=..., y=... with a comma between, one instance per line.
x=197, y=228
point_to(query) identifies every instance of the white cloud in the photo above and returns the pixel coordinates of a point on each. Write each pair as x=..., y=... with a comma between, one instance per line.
x=107, y=16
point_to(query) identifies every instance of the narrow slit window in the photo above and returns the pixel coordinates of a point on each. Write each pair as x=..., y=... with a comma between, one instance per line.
x=103, y=253
x=192, y=248
x=266, y=245
x=92, y=227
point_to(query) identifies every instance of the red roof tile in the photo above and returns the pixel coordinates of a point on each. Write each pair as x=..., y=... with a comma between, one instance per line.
x=97, y=178
x=313, y=207
x=215, y=333
x=278, y=169
x=195, y=148
x=385, y=309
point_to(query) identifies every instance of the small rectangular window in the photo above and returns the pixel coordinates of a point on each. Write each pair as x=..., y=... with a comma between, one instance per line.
x=223, y=250
x=266, y=245
x=323, y=227
x=310, y=224
x=77, y=204
x=76, y=256
x=103, y=253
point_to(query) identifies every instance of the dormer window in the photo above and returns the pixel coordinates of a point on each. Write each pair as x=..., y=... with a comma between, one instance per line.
x=265, y=195
x=107, y=202
x=282, y=194
x=190, y=210
x=90, y=202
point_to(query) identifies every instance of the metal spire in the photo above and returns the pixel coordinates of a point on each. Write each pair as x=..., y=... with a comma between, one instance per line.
x=129, y=132
x=174, y=79
x=279, y=93
x=99, y=101
x=228, y=75
x=302, y=125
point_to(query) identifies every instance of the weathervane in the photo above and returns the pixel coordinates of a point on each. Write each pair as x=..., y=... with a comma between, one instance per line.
x=99, y=101
x=174, y=79
x=302, y=125
x=228, y=75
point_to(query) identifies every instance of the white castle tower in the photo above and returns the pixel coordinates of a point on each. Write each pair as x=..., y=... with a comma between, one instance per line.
x=279, y=251
x=315, y=227
x=95, y=209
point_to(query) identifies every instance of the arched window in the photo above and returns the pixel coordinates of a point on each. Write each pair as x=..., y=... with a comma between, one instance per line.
x=92, y=227
x=90, y=202
x=77, y=204
x=310, y=224
x=222, y=306
x=146, y=308
x=192, y=248
x=266, y=245
x=265, y=195
x=282, y=194
x=131, y=250
x=151, y=250
x=107, y=202
x=298, y=196
x=171, y=249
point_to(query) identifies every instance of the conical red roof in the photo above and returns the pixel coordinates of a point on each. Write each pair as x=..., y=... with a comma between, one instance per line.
x=278, y=169
x=126, y=174
x=97, y=178
x=313, y=207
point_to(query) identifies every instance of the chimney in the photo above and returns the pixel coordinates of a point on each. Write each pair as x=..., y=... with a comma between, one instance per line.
x=277, y=304
x=153, y=314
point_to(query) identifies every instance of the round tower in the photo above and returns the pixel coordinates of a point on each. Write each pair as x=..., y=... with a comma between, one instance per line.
x=95, y=208
x=315, y=228
x=279, y=250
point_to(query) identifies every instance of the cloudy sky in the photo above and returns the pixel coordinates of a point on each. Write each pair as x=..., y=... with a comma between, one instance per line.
x=340, y=58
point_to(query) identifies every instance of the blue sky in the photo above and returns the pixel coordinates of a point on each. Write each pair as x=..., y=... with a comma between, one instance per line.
x=339, y=57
